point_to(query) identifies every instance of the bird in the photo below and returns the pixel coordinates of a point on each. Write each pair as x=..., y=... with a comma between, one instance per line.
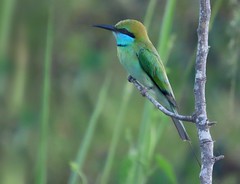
x=141, y=60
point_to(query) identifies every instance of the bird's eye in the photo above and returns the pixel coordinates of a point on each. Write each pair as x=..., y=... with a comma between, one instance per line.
x=126, y=32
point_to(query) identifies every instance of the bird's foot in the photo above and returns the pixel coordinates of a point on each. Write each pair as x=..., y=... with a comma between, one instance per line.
x=130, y=78
x=144, y=91
x=150, y=88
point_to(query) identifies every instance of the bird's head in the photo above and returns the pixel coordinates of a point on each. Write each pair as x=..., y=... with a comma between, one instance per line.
x=127, y=32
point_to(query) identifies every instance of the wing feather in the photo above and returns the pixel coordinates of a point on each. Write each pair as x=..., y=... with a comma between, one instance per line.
x=152, y=65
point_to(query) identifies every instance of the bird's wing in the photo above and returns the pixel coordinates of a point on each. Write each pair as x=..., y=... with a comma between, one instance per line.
x=152, y=65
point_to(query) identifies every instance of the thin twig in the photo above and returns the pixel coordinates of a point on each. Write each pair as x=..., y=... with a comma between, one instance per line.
x=220, y=157
x=145, y=93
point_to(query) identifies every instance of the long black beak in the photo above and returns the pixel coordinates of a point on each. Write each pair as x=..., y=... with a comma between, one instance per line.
x=114, y=29
x=107, y=27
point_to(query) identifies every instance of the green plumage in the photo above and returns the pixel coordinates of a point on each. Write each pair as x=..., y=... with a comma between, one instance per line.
x=152, y=65
x=141, y=60
x=153, y=76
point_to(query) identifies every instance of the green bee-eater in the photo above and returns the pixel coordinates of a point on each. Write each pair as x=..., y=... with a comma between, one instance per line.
x=141, y=60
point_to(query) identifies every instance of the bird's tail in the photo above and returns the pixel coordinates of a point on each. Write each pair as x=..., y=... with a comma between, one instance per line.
x=184, y=136
x=180, y=128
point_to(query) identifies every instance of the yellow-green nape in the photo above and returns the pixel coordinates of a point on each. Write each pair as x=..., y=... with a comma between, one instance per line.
x=135, y=27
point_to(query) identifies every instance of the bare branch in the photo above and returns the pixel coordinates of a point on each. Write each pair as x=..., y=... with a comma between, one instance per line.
x=205, y=139
x=145, y=93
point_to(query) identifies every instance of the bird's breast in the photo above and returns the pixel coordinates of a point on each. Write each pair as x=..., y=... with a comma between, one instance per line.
x=128, y=58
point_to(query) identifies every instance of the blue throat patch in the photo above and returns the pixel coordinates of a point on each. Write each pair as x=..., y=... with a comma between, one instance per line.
x=123, y=40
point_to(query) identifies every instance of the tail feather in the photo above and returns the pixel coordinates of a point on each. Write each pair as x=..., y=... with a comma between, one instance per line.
x=169, y=103
x=184, y=136
x=181, y=129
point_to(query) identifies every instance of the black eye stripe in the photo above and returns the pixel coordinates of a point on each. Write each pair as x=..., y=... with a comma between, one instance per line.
x=126, y=32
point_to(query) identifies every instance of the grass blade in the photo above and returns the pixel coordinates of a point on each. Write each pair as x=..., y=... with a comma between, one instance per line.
x=117, y=133
x=5, y=24
x=20, y=73
x=216, y=7
x=149, y=13
x=166, y=168
x=41, y=177
x=166, y=28
x=191, y=63
x=7, y=9
x=84, y=147
x=140, y=166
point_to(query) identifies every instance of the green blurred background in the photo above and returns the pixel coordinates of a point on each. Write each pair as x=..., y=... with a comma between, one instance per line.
x=68, y=114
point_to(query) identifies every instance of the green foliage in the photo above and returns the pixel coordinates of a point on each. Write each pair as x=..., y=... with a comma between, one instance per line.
x=84, y=148
x=164, y=44
x=167, y=168
x=116, y=134
x=7, y=9
x=41, y=175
